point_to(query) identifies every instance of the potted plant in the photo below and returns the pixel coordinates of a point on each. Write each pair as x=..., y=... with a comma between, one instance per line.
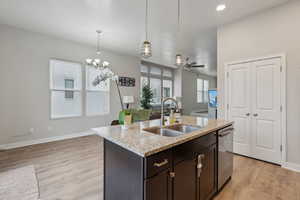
x=127, y=118
x=147, y=97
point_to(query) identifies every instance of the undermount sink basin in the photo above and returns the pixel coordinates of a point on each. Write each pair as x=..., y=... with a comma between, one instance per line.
x=173, y=130
x=184, y=128
x=163, y=131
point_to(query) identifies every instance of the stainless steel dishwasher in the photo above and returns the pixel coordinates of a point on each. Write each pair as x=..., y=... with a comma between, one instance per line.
x=225, y=155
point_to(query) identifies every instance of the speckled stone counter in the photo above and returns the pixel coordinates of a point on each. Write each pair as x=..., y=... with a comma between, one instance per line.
x=144, y=143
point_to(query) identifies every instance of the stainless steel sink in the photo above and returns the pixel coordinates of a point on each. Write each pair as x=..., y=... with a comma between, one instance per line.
x=163, y=131
x=184, y=128
x=173, y=130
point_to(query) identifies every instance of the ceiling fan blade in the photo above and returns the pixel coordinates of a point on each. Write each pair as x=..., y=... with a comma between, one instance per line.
x=193, y=63
x=198, y=66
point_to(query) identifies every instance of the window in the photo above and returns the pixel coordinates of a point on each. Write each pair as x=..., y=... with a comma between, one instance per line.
x=167, y=88
x=202, y=90
x=155, y=85
x=144, y=69
x=155, y=71
x=160, y=80
x=167, y=73
x=65, y=89
x=97, y=97
x=69, y=84
x=144, y=81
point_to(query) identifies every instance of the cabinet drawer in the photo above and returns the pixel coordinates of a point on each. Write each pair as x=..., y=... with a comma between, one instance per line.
x=157, y=163
x=192, y=149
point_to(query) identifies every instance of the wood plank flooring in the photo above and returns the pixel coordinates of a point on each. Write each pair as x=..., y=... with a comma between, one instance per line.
x=256, y=180
x=73, y=170
x=66, y=170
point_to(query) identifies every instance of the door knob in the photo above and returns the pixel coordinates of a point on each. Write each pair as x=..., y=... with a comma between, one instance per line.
x=248, y=114
x=255, y=115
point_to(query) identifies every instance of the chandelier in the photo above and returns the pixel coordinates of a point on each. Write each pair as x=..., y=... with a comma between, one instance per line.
x=96, y=62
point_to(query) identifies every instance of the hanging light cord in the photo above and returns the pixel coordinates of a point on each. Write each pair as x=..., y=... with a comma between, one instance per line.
x=178, y=25
x=178, y=16
x=146, y=20
x=98, y=41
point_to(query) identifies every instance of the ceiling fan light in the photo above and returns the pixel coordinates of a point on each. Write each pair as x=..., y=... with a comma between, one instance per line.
x=179, y=60
x=146, y=49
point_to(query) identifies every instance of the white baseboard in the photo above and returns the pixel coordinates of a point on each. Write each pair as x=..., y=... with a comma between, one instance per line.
x=44, y=140
x=291, y=166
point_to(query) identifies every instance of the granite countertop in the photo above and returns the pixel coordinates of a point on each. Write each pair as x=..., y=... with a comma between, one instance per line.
x=143, y=143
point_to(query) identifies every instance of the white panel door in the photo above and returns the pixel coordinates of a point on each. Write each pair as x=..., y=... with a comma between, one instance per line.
x=239, y=103
x=266, y=114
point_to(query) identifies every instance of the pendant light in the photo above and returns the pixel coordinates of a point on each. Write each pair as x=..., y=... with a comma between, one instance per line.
x=178, y=58
x=96, y=62
x=146, y=51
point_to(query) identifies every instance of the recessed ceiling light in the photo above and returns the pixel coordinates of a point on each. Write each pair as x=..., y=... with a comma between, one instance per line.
x=221, y=7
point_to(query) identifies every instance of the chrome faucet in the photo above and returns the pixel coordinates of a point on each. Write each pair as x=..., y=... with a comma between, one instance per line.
x=162, y=108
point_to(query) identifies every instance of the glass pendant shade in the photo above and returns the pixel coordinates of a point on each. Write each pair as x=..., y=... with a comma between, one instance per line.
x=94, y=62
x=89, y=61
x=146, y=50
x=179, y=60
x=105, y=64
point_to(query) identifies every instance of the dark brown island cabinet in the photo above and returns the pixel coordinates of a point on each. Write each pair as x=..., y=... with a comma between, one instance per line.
x=185, y=172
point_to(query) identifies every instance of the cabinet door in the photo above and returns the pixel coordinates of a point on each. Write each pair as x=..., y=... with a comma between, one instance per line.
x=185, y=181
x=159, y=187
x=207, y=179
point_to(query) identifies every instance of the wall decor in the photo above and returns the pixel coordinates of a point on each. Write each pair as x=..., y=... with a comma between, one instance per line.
x=127, y=82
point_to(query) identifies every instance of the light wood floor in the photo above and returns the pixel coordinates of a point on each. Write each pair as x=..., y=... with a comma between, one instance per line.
x=73, y=170
x=66, y=170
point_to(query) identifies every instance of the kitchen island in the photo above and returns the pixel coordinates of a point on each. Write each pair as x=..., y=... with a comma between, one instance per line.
x=178, y=162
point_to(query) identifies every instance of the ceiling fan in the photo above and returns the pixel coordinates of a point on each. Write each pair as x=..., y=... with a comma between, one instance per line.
x=190, y=65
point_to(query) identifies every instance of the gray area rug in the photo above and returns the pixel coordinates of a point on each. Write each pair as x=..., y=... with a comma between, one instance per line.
x=19, y=184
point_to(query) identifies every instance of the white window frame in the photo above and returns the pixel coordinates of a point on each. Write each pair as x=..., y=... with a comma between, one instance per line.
x=54, y=89
x=203, y=91
x=156, y=76
x=87, y=90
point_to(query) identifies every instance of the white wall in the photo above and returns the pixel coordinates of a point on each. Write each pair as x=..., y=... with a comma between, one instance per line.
x=189, y=91
x=273, y=32
x=24, y=84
